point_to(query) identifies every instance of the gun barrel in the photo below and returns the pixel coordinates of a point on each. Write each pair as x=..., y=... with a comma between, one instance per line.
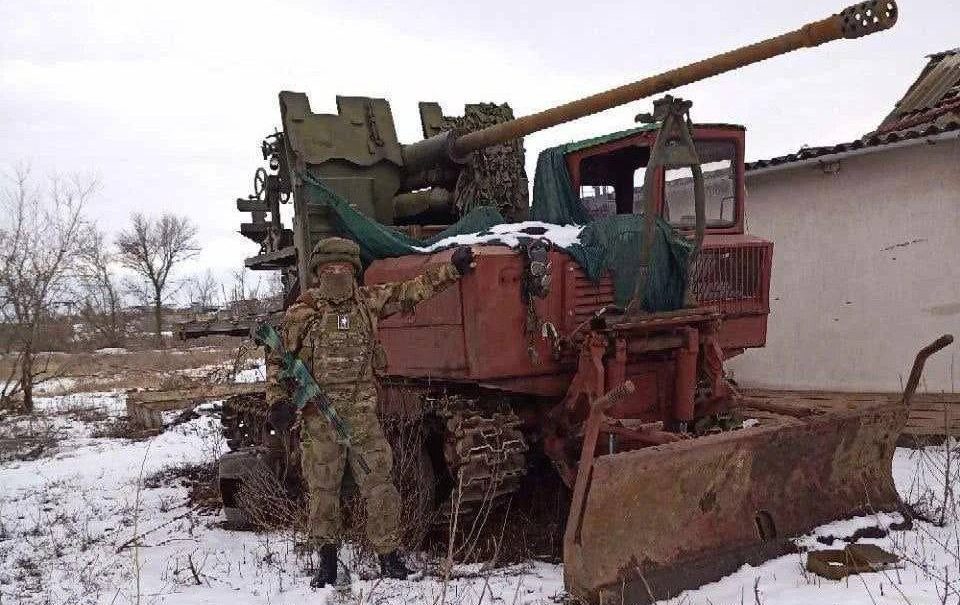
x=855, y=21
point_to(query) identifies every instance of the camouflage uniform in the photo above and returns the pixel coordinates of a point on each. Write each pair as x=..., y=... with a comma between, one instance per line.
x=337, y=342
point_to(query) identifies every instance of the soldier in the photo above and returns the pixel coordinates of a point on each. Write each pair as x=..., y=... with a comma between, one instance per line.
x=332, y=328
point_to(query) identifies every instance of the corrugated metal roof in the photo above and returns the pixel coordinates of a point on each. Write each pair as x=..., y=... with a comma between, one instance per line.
x=936, y=88
x=875, y=140
x=930, y=90
x=930, y=107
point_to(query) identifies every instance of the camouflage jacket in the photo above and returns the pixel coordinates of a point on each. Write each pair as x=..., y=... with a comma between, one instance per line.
x=337, y=341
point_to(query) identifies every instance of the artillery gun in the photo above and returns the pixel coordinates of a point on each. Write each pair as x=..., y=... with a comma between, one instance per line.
x=356, y=153
x=541, y=354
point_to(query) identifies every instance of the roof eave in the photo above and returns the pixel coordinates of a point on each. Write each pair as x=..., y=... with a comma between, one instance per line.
x=953, y=133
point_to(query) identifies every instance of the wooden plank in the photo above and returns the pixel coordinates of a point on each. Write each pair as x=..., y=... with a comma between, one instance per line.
x=930, y=413
x=918, y=431
x=952, y=413
x=953, y=426
x=144, y=407
x=197, y=393
x=933, y=422
x=934, y=414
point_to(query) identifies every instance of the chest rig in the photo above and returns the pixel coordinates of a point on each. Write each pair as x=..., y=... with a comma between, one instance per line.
x=341, y=342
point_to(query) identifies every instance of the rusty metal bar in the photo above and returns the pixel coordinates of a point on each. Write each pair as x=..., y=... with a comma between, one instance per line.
x=855, y=21
x=917, y=371
x=685, y=379
x=591, y=432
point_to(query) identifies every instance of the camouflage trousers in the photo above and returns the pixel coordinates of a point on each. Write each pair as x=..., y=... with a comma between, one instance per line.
x=324, y=459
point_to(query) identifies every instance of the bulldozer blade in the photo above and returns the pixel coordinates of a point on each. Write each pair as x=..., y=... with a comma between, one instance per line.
x=647, y=524
x=659, y=520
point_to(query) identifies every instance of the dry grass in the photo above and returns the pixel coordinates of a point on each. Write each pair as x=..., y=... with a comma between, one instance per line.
x=148, y=369
x=121, y=427
x=200, y=480
x=20, y=441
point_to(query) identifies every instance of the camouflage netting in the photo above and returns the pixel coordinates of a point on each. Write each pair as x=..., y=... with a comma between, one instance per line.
x=494, y=176
x=381, y=241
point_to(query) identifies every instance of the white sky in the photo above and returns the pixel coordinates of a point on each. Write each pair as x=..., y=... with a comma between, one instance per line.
x=168, y=101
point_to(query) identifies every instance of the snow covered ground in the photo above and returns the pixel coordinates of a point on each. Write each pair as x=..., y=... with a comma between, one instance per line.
x=69, y=519
x=90, y=517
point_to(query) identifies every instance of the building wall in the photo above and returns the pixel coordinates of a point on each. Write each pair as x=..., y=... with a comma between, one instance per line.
x=866, y=270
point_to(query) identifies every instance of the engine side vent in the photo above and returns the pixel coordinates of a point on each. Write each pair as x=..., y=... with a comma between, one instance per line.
x=733, y=277
x=736, y=278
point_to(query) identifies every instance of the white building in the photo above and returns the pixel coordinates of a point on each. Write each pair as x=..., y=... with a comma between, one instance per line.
x=866, y=239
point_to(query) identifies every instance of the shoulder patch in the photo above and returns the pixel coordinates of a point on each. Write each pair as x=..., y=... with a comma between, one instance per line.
x=297, y=311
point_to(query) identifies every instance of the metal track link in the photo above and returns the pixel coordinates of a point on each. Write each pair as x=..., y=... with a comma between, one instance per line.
x=485, y=455
x=242, y=419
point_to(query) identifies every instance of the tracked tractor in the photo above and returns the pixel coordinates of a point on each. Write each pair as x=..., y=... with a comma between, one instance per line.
x=591, y=336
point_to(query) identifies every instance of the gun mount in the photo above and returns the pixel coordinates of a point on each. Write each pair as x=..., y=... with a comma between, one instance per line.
x=463, y=161
x=356, y=153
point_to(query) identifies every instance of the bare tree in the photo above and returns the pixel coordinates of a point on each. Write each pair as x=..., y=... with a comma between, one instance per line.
x=41, y=234
x=152, y=248
x=273, y=295
x=202, y=289
x=101, y=300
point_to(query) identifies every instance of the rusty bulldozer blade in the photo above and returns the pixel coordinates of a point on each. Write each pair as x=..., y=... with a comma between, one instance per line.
x=649, y=523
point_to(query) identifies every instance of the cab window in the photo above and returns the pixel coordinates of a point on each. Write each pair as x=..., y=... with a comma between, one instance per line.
x=598, y=200
x=607, y=182
x=718, y=161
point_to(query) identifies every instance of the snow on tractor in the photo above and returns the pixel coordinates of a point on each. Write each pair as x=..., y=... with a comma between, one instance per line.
x=589, y=343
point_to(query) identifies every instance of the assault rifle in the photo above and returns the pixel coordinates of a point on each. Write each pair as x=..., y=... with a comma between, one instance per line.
x=307, y=389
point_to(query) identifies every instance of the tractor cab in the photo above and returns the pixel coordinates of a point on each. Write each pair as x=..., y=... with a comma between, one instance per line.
x=607, y=176
x=608, y=173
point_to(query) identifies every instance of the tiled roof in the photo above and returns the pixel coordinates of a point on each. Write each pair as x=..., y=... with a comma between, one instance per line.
x=940, y=55
x=873, y=140
x=931, y=106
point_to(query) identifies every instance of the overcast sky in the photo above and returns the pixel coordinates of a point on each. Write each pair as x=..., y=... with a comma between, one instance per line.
x=168, y=101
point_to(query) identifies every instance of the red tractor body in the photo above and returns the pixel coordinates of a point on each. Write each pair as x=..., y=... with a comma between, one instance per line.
x=477, y=331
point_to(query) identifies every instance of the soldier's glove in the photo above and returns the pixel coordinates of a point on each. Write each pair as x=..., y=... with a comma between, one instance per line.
x=462, y=259
x=281, y=415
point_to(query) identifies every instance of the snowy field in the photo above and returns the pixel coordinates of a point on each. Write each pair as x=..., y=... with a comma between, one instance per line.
x=90, y=517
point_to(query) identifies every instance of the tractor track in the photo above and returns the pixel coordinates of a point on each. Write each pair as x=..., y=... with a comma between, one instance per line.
x=484, y=452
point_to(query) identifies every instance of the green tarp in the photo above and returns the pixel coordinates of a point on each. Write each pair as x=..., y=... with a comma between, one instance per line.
x=554, y=200
x=613, y=244
x=610, y=244
x=380, y=241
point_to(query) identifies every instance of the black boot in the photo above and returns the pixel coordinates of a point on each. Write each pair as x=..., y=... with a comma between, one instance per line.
x=391, y=566
x=326, y=567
